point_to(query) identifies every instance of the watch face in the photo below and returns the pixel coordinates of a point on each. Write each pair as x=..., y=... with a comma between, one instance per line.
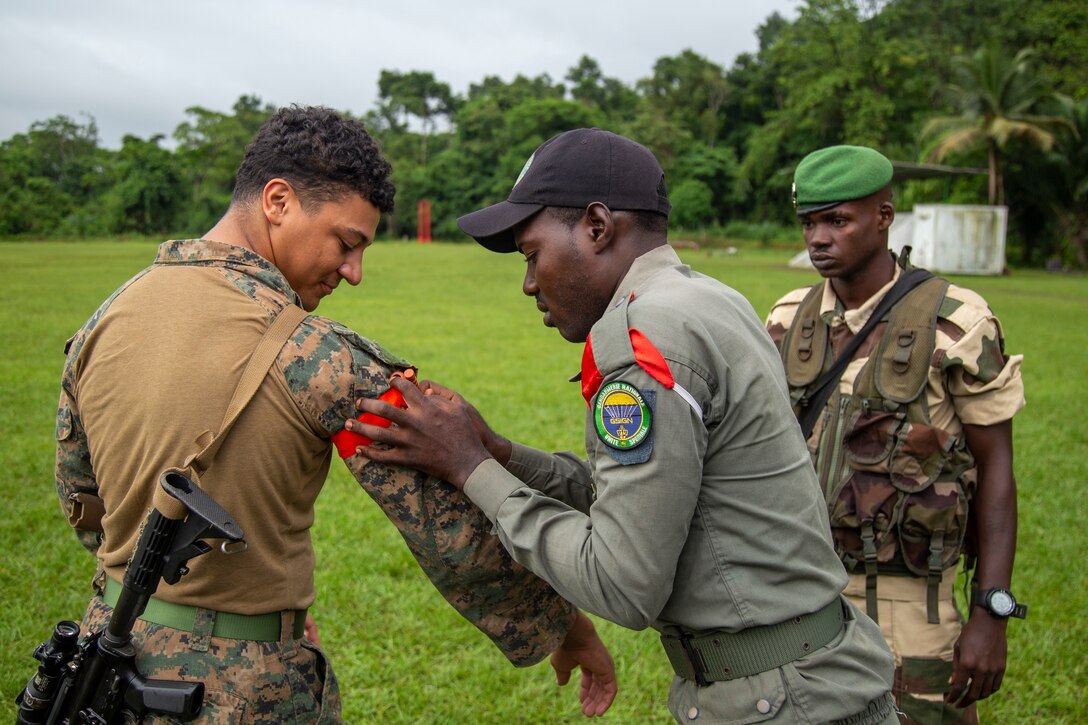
x=1002, y=603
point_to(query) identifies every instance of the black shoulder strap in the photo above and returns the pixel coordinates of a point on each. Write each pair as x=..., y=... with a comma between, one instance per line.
x=813, y=402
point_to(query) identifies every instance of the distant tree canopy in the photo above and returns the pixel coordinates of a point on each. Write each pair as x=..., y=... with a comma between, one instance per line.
x=1001, y=84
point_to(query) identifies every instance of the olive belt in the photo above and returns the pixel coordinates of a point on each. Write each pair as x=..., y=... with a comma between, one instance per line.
x=720, y=656
x=257, y=627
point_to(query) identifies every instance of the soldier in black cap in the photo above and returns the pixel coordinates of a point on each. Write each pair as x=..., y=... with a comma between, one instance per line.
x=698, y=512
x=912, y=431
x=307, y=201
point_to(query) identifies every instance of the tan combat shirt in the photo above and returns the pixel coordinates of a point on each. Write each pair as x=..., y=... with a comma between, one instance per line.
x=153, y=370
x=722, y=528
x=970, y=379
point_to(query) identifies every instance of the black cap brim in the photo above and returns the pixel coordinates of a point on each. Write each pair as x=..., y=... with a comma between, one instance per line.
x=493, y=226
x=813, y=208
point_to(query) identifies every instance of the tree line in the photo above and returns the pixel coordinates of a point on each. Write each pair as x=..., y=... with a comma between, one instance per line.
x=1001, y=85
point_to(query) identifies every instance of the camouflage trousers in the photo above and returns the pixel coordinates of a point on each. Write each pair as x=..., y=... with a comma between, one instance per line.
x=246, y=682
x=922, y=651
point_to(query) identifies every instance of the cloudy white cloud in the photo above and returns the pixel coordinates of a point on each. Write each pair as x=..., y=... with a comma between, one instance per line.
x=136, y=65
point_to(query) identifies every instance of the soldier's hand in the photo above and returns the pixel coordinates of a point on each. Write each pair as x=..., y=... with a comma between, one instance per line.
x=496, y=445
x=978, y=660
x=309, y=630
x=584, y=649
x=434, y=434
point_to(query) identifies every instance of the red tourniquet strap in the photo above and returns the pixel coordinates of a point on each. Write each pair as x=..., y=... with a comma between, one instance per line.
x=346, y=442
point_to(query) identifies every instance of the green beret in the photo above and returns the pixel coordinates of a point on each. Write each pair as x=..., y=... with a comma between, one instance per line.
x=830, y=176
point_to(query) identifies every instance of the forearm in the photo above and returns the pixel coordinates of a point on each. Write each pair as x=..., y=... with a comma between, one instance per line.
x=451, y=541
x=621, y=563
x=994, y=508
x=980, y=652
x=996, y=531
x=995, y=522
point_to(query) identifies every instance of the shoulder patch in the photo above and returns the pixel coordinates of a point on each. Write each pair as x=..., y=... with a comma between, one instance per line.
x=622, y=416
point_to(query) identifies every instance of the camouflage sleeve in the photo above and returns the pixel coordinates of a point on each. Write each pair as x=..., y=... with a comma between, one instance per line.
x=73, y=472
x=447, y=534
x=983, y=382
x=781, y=315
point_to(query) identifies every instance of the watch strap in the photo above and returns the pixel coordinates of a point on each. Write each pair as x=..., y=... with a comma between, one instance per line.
x=1019, y=610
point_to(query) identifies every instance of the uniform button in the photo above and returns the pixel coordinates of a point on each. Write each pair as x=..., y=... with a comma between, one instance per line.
x=763, y=706
x=693, y=713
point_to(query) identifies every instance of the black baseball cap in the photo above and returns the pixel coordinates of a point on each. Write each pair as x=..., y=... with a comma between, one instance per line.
x=573, y=169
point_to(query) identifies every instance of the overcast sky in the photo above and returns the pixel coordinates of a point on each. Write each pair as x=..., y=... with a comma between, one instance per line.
x=136, y=65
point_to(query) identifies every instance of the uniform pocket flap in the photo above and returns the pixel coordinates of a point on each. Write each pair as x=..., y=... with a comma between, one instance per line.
x=738, y=702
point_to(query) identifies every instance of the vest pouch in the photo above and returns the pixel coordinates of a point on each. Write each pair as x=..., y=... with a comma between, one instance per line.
x=865, y=501
x=871, y=440
x=932, y=527
x=919, y=455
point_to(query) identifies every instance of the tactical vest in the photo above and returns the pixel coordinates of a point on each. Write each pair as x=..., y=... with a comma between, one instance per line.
x=897, y=488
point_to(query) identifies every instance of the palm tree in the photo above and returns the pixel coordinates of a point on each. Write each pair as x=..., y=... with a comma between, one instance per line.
x=996, y=98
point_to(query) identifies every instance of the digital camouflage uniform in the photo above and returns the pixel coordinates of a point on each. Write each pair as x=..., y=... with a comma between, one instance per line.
x=156, y=365
x=707, y=519
x=969, y=380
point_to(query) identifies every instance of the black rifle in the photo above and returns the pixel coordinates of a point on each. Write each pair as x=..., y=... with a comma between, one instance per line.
x=95, y=681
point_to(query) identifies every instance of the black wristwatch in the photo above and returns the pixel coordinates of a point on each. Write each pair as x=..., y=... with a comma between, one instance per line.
x=1001, y=603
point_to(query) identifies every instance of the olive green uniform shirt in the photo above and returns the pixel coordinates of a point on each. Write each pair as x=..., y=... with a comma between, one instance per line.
x=722, y=528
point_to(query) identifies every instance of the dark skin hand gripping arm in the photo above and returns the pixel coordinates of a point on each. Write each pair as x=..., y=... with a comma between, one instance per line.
x=434, y=433
x=980, y=652
x=440, y=433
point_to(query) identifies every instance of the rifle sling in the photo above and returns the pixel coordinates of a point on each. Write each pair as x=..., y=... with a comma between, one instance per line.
x=260, y=362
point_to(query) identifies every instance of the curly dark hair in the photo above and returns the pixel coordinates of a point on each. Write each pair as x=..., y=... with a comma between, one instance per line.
x=321, y=153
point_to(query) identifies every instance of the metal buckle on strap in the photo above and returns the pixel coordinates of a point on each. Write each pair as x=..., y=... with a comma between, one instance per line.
x=695, y=660
x=684, y=659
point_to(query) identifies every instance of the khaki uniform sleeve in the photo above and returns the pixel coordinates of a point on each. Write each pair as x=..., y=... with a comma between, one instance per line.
x=782, y=313
x=448, y=535
x=984, y=383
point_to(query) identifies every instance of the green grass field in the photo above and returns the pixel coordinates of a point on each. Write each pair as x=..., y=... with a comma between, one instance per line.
x=401, y=654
